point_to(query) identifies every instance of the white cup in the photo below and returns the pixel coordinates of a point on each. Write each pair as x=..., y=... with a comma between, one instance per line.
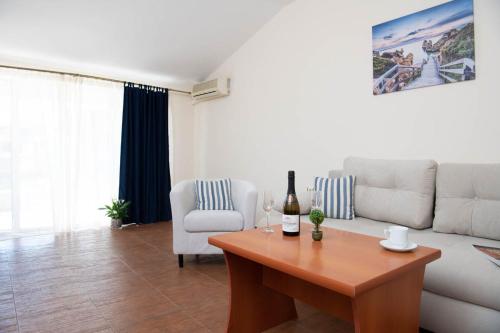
x=397, y=235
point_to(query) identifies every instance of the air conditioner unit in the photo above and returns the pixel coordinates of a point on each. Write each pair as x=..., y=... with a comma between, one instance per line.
x=210, y=89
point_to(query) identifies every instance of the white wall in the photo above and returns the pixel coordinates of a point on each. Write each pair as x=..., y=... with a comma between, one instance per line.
x=302, y=98
x=181, y=137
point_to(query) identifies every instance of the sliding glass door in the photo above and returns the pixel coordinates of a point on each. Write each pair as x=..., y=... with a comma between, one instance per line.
x=59, y=150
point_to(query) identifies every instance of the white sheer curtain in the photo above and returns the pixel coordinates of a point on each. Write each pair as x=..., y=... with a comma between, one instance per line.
x=59, y=150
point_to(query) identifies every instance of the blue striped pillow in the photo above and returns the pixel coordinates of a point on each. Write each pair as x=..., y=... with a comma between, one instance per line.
x=338, y=196
x=214, y=194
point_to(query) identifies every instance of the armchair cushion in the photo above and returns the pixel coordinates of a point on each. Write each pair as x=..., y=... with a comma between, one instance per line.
x=214, y=194
x=213, y=220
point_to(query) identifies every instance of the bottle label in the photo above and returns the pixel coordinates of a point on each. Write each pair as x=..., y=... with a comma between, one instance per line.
x=291, y=223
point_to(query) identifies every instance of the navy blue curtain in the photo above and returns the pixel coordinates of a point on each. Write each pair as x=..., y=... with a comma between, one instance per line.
x=144, y=164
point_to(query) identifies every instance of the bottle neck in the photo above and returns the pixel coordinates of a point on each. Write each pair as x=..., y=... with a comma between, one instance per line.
x=291, y=185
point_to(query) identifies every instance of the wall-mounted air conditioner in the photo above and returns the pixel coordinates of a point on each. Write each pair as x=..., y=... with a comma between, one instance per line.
x=210, y=89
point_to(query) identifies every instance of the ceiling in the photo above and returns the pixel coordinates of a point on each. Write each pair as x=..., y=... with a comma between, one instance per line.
x=174, y=40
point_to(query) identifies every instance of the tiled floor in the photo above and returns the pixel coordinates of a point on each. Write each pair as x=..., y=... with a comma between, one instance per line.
x=119, y=281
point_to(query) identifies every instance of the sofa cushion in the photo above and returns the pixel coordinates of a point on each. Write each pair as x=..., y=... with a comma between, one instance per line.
x=213, y=220
x=400, y=192
x=462, y=272
x=337, y=196
x=468, y=200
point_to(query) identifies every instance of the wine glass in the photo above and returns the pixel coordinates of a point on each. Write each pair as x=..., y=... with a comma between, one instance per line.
x=268, y=204
x=316, y=199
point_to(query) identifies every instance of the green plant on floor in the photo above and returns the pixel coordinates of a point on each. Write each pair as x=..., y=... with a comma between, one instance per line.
x=118, y=210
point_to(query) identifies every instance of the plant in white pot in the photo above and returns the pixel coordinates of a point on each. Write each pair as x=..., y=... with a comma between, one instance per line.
x=117, y=211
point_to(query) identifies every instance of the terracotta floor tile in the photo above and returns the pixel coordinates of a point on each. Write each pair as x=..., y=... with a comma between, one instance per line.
x=174, y=277
x=320, y=322
x=293, y=326
x=109, y=290
x=6, y=297
x=138, y=317
x=213, y=266
x=136, y=304
x=90, y=325
x=126, y=280
x=213, y=313
x=82, y=317
x=8, y=325
x=29, y=306
x=304, y=309
x=192, y=295
x=7, y=311
x=171, y=322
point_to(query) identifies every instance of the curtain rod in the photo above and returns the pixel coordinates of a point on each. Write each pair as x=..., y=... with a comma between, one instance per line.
x=81, y=75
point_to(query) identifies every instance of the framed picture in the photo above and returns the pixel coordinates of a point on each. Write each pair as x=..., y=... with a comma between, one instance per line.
x=427, y=48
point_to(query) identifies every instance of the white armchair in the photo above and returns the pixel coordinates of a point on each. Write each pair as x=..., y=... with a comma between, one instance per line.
x=192, y=227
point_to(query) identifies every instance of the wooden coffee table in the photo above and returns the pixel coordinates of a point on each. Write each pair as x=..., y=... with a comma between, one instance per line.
x=348, y=275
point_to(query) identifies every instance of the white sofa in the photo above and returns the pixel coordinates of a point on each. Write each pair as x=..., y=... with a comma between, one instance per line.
x=192, y=227
x=461, y=289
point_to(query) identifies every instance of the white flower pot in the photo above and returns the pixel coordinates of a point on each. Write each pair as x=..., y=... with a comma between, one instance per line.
x=116, y=223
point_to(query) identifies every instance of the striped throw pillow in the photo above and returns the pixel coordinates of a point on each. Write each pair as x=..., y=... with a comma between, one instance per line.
x=214, y=194
x=338, y=196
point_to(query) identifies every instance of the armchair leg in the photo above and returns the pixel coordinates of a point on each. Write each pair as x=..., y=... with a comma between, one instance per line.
x=181, y=260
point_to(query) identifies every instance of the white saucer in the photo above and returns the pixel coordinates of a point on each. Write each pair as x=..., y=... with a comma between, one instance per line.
x=389, y=246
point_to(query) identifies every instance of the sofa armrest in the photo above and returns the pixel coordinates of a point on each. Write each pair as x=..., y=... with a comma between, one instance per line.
x=182, y=201
x=244, y=196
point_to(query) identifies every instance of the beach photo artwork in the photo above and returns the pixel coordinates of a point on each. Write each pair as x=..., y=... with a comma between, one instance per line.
x=427, y=48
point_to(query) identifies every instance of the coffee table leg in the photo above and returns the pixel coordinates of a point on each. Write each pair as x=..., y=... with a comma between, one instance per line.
x=252, y=306
x=391, y=307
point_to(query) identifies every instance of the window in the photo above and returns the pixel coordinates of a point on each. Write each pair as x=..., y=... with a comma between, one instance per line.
x=59, y=150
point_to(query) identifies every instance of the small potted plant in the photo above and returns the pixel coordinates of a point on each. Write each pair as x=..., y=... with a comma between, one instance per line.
x=117, y=211
x=316, y=216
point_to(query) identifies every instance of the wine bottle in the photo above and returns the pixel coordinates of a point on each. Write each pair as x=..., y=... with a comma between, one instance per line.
x=291, y=209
